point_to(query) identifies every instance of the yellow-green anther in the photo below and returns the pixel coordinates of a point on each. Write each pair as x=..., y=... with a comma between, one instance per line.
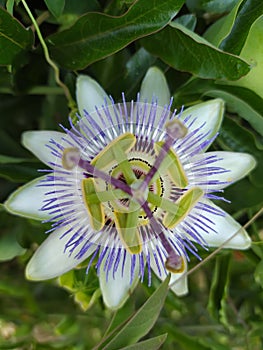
x=70, y=158
x=185, y=204
x=107, y=155
x=163, y=203
x=126, y=225
x=175, y=264
x=172, y=166
x=95, y=210
x=123, y=162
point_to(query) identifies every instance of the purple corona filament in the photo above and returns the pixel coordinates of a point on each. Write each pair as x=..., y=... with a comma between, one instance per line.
x=157, y=242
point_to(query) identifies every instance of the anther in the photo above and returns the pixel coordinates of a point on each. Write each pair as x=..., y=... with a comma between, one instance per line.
x=70, y=158
x=176, y=129
x=174, y=263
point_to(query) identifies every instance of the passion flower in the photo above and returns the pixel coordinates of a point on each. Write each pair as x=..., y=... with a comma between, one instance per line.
x=130, y=189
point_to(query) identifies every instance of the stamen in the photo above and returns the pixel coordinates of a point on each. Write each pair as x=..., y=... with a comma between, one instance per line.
x=108, y=154
x=123, y=162
x=174, y=262
x=185, y=204
x=71, y=161
x=175, y=129
x=95, y=211
x=70, y=158
x=172, y=166
x=126, y=225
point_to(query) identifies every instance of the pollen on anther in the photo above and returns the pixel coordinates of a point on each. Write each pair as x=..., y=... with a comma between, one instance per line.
x=176, y=129
x=70, y=157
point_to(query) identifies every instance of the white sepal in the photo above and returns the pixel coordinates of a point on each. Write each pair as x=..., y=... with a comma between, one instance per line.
x=154, y=85
x=117, y=287
x=27, y=200
x=229, y=232
x=37, y=141
x=208, y=114
x=51, y=260
x=89, y=95
x=237, y=166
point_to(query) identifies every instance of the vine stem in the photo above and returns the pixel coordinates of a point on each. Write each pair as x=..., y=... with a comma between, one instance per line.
x=71, y=102
x=210, y=256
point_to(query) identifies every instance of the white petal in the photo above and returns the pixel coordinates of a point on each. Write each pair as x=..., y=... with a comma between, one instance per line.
x=36, y=141
x=225, y=227
x=89, y=94
x=50, y=260
x=116, y=289
x=210, y=113
x=178, y=281
x=154, y=85
x=27, y=200
x=238, y=165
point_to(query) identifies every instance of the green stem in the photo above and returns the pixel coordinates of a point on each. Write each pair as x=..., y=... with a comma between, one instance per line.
x=71, y=102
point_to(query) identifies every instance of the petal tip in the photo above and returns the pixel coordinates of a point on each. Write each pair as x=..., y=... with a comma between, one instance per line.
x=155, y=85
x=89, y=94
x=243, y=240
x=26, y=135
x=31, y=273
x=179, y=285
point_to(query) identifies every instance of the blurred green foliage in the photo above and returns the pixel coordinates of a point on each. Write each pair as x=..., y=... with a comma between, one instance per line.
x=206, y=49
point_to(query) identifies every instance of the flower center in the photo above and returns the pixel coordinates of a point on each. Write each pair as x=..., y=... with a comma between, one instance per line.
x=140, y=168
x=122, y=186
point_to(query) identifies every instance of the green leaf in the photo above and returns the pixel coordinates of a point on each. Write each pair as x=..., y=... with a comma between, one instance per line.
x=72, y=11
x=186, y=51
x=10, y=160
x=243, y=102
x=189, y=21
x=219, y=287
x=222, y=28
x=85, y=300
x=252, y=196
x=210, y=6
x=144, y=319
x=10, y=6
x=246, y=103
x=67, y=281
x=149, y=344
x=236, y=138
x=84, y=292
x=19, y=173
x=9, y=248
x=253, y=53
x=186, y=341
x=95, y=36
x=249, y=12
x=55, y=6
x=258, y=274
x=136, y=68
x=80, y=7
x=14, y=38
